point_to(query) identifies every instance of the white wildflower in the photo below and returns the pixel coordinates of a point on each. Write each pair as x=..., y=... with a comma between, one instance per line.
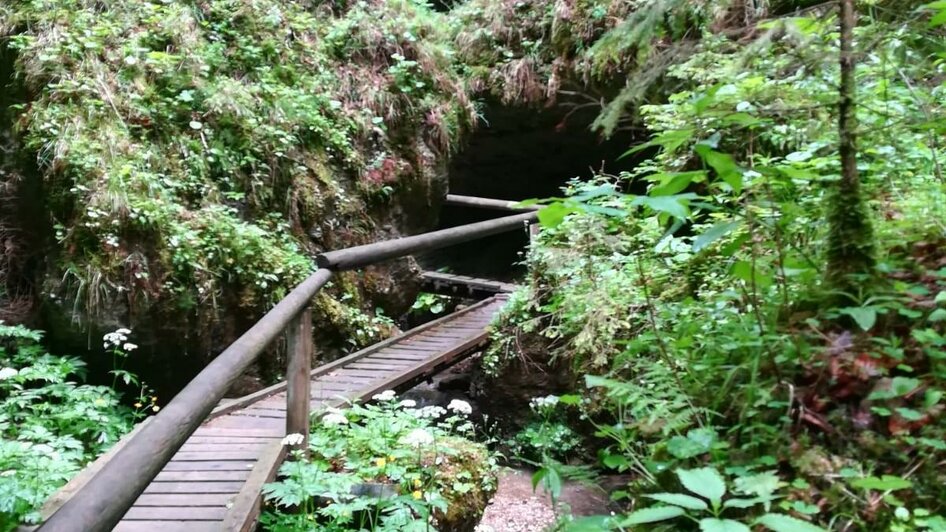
x=430, y=412
x=548, y=401
x=460, y=407
x=8, y=373
x=386, y=395
x=116, y=338
x=408, y=403
x=293, y=439
x=129, y=346
x=333, y=419
x=418, y=438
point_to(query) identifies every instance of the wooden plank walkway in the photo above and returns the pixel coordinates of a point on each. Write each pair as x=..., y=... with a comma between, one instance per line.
x=452, y=284
x=213, y=483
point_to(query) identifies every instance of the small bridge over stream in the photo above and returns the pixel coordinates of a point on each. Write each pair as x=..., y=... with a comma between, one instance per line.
x=200, y=463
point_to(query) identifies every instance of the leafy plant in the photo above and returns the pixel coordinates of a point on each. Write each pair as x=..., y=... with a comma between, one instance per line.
x=385, y=466
x=50, y=425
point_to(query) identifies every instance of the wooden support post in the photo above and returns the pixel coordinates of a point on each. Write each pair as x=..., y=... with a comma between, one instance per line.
x=298, y=384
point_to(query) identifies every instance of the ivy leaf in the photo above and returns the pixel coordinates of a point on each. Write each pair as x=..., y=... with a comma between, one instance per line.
x=652, y=515
x=679, y=499
x=711, y=524
x=785, y=523
x=705, y=482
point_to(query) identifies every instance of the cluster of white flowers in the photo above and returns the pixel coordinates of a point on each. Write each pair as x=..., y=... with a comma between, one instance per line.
x=293, y=439
x=430, y=412
x=119, y=339
x=8, y=373
x=333, y=419
x=418, y=438
x=460, y=407
x=408, y=403
x=386, y=395
x=548, y=401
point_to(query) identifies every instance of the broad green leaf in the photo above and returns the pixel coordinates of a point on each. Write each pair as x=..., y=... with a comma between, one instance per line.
x=724, y=165
x=884, y=483
x=705, y=482
x=865, y=317
x=899, y=386
x=938, y=315
x=713, y=234
x=595, y=523
x=615, y=461
x=909, y=414
x=552, y=215
x=673, y=205
x=711, y=524
x=679, y=499
x=652, y=515
x=785, y=523
x=551, y=481
x=940, y=297
x=761, y=484
x=741, y=503
x=669, y=141
x=674, y=183
x=569, y=399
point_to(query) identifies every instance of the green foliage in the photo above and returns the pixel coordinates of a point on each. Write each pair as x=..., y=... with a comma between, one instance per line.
x=50, y=425
x=694, y=308
x=430, y=303
x=385, y=466
x=194, y=154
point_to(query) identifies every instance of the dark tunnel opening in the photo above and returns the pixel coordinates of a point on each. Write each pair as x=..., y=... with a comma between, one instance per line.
x=520, y=153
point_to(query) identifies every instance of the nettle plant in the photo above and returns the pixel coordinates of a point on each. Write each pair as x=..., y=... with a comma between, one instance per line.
x=706, y=503
x=384, y=466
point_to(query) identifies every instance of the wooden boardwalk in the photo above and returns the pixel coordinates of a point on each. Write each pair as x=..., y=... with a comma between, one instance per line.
x=213, y=483
x=452, y=284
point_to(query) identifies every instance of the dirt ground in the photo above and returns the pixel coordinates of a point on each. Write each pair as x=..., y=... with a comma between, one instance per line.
x=515, y=508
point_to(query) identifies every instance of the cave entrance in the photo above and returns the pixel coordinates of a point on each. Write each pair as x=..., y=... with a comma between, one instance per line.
x=520, y=153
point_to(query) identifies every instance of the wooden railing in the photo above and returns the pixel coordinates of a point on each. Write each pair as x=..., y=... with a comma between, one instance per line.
x=100, y=504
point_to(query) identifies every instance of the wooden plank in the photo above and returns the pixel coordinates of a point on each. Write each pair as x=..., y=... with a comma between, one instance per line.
x=167, y=526
x=255, y=423
x=210, y=465
x=210, y=430
x=202, y=476
x=246, y=506
x=208, y=447
x=175, y=513
x=187, y=499
x=222, y=440
x=371, y=361
x=203, y=457
x=194, y=487
x=261, y=412
x=236, y=404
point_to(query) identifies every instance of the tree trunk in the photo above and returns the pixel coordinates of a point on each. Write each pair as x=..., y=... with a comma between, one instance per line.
x=851, y=238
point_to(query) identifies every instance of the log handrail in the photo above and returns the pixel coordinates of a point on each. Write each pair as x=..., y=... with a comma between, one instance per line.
x=488, y=203
x=107, y=496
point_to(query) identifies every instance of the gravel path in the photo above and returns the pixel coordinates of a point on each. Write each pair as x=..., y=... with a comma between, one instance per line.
x=515, y=508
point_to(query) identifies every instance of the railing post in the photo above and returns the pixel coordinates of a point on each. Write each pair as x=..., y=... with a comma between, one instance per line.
x=298, y=384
